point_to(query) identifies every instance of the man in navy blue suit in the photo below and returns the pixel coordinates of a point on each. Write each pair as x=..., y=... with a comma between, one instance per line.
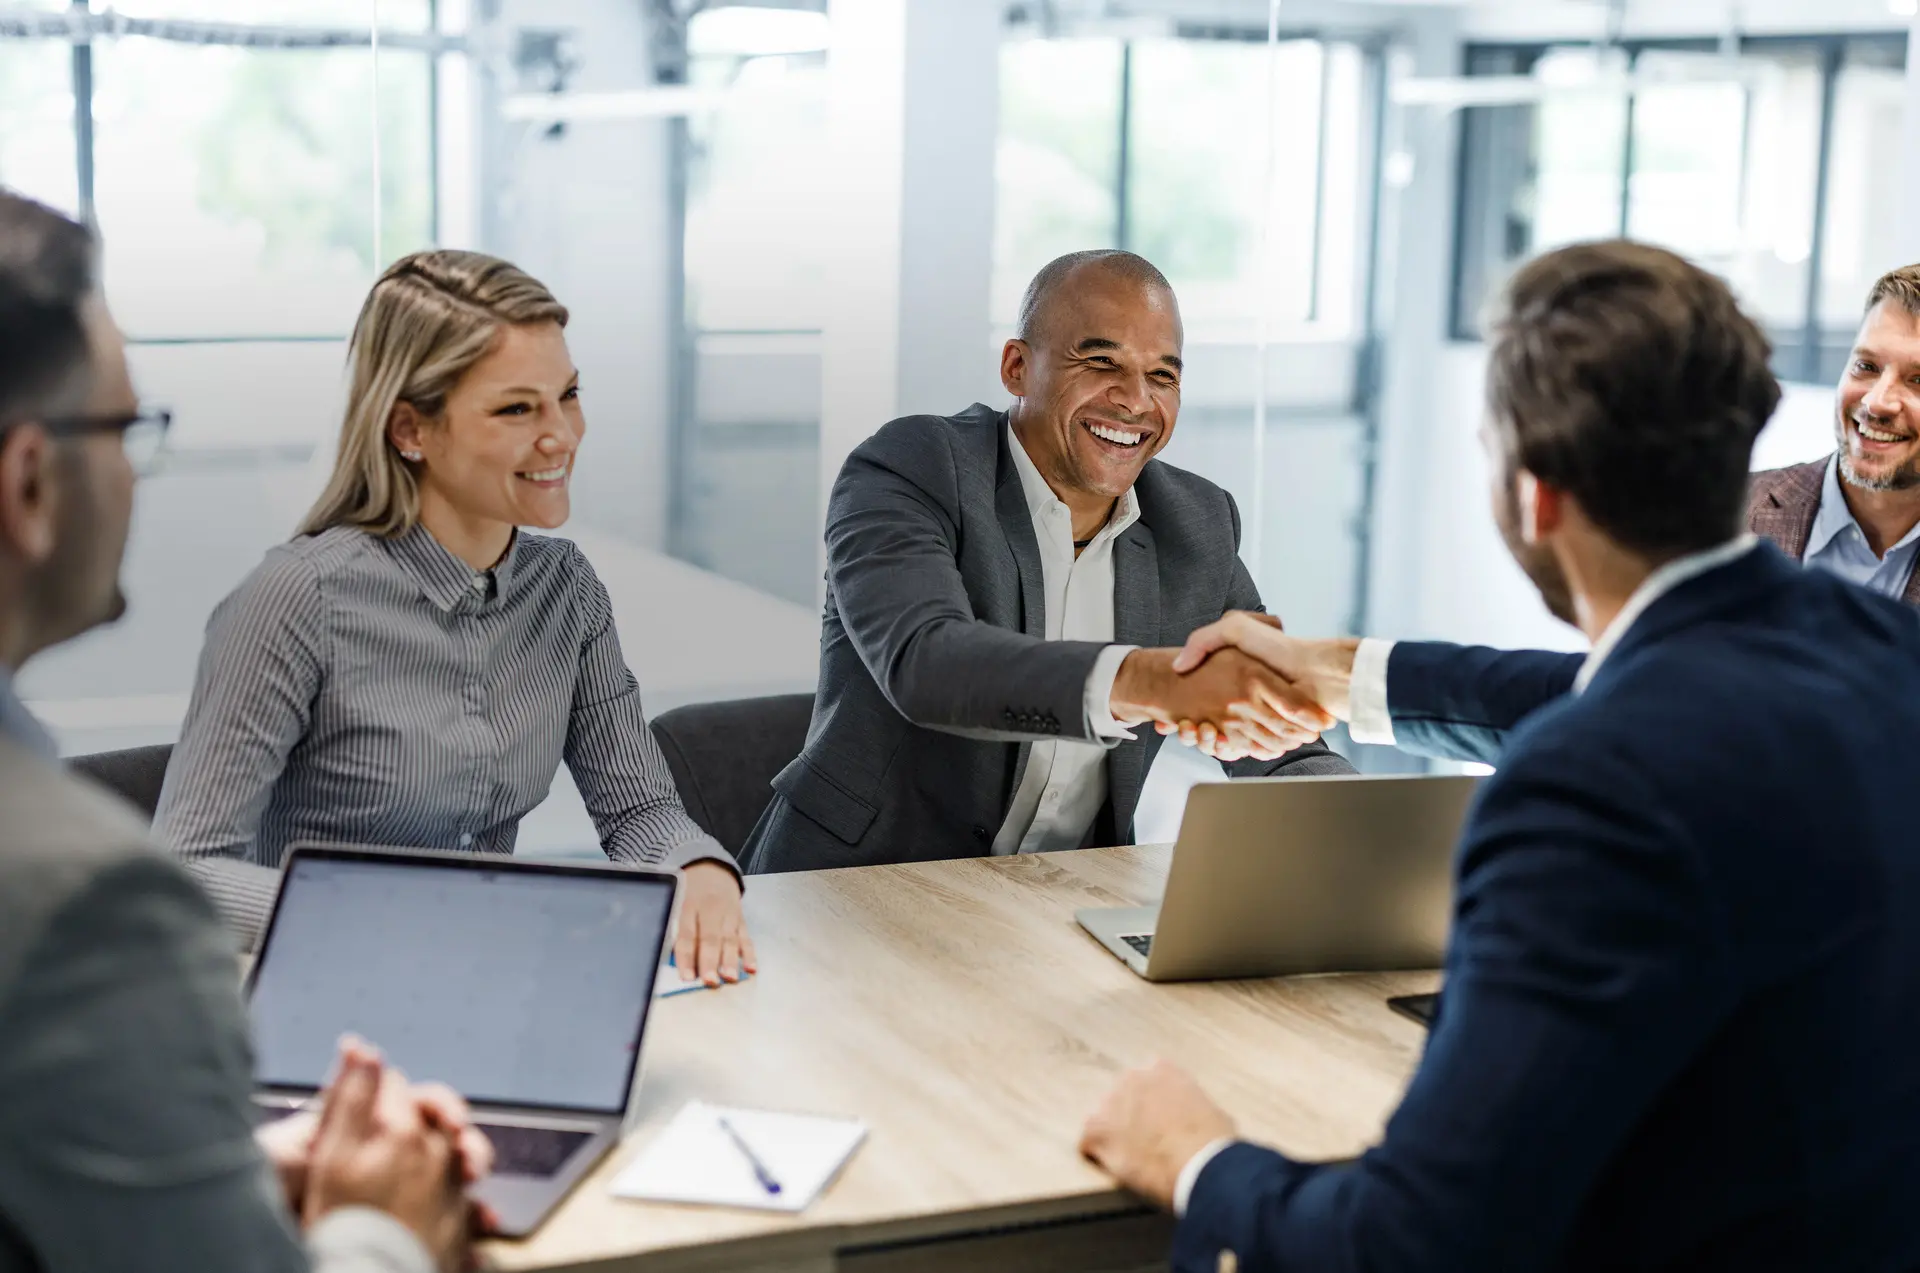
x=1681, y=1024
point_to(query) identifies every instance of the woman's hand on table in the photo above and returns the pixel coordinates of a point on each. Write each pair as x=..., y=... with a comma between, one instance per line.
x=712, y=943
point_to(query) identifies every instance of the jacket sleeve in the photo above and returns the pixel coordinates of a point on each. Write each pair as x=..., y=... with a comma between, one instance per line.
x=893, y=572
x=1587, y=967
x=1460, y=702
x=126, y=1129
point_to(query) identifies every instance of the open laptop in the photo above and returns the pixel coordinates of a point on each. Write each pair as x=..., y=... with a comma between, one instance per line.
x=524, y=986
x=1273, y=877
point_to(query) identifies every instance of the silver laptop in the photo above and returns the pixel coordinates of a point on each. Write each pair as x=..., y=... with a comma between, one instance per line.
x=522, y=985
x=1273, y=877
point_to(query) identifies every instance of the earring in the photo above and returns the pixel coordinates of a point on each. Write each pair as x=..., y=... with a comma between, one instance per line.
x=410, y=456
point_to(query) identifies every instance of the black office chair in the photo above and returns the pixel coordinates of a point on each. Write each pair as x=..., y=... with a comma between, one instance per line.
x=724, y=757
x=135, y=774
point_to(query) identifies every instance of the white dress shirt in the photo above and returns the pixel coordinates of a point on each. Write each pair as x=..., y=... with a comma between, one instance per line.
x=1367, y=692
x=1065, y=782
x=1838, y=544
x=1372, y=723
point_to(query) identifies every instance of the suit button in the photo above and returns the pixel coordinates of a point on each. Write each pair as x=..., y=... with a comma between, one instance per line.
x=979, y=833
x=1008, y=716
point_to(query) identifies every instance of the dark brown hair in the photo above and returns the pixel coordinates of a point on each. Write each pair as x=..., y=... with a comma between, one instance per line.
x=1630, y=379
x=46, y=276
x=1901, y=286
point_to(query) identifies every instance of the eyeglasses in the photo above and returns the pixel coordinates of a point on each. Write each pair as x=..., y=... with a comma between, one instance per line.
x=143, y=433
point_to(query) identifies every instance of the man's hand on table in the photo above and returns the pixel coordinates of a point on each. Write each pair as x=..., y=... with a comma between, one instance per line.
x=1312, y=681
x=1246, y=702
x=712, y=942
x=1150, y=1126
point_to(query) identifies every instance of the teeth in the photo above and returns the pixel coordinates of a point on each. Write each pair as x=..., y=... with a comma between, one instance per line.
x=1112, y=434
x=1877, y=435
x=551, y=475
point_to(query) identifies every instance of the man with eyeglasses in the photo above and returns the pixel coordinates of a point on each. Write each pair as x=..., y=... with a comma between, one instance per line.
x=126, y=1122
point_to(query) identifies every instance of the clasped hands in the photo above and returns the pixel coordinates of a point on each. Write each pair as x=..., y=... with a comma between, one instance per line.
x=1240, y=689
x=379, y=1141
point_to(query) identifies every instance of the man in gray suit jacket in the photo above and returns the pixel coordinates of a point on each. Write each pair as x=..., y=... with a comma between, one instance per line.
x=126, y=1123
x=1006, y=592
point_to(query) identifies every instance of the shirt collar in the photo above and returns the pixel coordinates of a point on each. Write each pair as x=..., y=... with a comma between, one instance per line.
x=446, y=580
x=1655, y=586
x=1040, y=496
x=1834, y=517
x=20, y=724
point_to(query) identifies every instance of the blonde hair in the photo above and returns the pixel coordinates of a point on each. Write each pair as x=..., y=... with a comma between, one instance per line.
x=429, y=319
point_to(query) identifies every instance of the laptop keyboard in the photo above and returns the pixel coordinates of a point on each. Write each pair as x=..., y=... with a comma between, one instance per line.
x=1141, y=942
x=531, y=1151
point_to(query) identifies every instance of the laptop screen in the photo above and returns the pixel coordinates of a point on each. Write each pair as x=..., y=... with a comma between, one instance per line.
x=512, y=985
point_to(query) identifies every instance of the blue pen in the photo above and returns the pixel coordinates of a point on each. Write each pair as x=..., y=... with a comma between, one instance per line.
x=760, y=1171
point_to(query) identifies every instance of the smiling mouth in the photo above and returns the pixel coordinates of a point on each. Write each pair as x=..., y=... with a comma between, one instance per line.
x=545, y=475
x=1884, y=437
x=1114, y=434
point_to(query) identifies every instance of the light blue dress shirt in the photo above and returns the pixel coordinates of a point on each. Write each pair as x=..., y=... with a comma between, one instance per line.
x=1838, y=544
x=19, y=724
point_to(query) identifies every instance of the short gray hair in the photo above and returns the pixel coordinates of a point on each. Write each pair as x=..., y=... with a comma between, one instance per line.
x=1041, y=293
x=47, y=274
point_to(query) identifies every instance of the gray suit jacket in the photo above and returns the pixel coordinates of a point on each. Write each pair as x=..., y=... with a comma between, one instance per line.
x=934, y=671
x=126, y=1125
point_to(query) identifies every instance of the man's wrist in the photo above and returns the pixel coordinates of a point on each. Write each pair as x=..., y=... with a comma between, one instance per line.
x=1331, y=668
x=1139, y=685
x=1190, y=1174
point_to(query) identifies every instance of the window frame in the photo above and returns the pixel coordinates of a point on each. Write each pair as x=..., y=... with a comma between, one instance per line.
x=1803, y=350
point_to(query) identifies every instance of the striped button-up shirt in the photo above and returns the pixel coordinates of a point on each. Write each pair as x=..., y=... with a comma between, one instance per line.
x=380, y=691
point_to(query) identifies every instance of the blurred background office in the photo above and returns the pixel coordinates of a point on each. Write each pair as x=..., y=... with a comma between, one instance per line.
x=780, y=224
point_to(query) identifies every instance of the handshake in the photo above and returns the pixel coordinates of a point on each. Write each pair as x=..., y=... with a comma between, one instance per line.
x=1241, y=689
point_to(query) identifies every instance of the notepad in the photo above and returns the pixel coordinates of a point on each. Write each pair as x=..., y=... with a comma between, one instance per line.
x=694, y=1160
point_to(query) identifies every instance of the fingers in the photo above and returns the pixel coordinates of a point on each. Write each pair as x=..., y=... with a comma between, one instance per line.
x=476, y=1155
x=686, y=943
x=351, y=1099
x=1236, y=628
x=749, y=958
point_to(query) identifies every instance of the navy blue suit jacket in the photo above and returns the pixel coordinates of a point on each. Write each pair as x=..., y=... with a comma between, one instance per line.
x=1681, y=1027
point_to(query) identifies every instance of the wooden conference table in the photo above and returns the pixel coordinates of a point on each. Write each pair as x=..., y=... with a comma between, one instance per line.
x=959, y=1011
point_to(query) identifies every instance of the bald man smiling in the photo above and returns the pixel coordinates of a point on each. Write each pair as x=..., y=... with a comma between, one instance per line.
x=1006, y=593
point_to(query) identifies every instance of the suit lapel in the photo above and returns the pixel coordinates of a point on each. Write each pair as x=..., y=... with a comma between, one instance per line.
x=1010, y=502
x=1136, y=621
x=1016, y=522
x=1784, y=510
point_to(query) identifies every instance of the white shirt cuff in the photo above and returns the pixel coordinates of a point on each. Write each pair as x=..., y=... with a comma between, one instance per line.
x=364, y=1239
x=1190, y=1174
x=1367, y=694
x=1099, y=695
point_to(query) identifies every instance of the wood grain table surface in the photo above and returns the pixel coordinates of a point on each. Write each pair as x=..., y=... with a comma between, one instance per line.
x=958, y=1009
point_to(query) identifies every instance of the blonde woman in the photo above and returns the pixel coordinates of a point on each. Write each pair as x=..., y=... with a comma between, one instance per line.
x=412, y=668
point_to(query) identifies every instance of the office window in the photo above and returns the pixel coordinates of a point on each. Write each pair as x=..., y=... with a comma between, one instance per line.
x=1058, y=162
x=1718, y=157
x=754, y=201
x=1862, y=218
x=1196, y=190
x=36, y=122
x=235, y=186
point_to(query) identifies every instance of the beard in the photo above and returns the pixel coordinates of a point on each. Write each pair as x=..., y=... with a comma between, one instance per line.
x=1536, y=562
x=1903, y=478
